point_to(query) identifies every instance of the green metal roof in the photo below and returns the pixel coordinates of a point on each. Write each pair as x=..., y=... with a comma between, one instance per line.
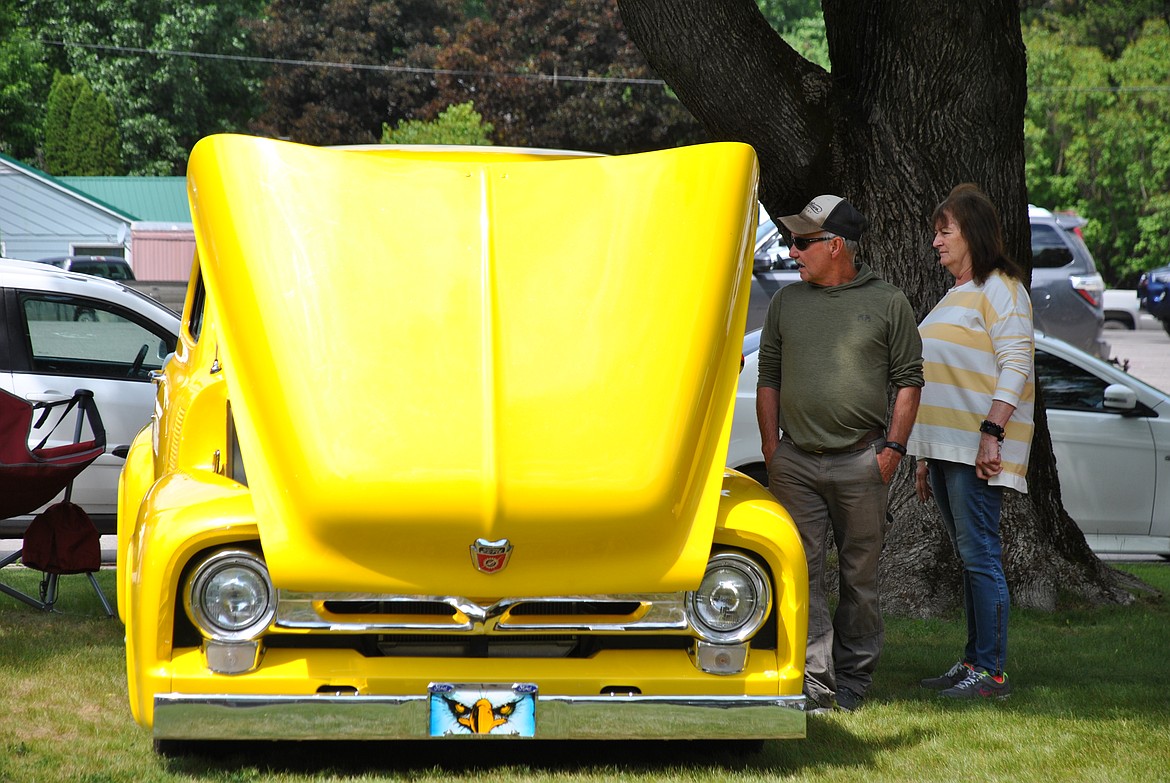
x=150, y=199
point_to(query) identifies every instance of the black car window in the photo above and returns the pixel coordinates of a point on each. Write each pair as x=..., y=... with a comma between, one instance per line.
x=1067, y=386
x=84, y=337
x=1048, y=247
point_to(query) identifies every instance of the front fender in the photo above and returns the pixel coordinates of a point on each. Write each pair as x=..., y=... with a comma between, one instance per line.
x=181, y=516
x=750, y=518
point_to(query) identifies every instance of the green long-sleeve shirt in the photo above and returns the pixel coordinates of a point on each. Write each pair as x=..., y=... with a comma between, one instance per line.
x=833, y=353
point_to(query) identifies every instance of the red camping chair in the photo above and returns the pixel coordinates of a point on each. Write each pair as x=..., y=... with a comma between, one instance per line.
x=61, y=539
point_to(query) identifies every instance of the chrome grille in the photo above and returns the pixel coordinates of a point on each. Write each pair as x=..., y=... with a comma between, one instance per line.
x=413, y=614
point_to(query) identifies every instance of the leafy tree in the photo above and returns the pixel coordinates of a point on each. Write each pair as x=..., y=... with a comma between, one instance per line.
x=559, y=74
x=460, y=124
x=322, y=103
x=1096, y=133
x=92, y=146
x=895, y=126
x=58, y=114
x=1106, y=25
x=81, y=134
x=165, y=102
x=24, y=82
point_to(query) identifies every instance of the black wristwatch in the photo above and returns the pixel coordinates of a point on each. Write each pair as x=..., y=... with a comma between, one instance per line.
x=896, y=446
x=991, y=428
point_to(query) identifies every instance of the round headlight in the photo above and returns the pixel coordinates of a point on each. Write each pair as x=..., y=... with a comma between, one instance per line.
x=732, y=601
x=230, y=596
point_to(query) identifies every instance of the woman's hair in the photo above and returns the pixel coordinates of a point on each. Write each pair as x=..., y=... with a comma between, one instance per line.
x=978, y=220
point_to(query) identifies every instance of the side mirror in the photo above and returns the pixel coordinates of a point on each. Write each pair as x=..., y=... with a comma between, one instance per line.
x=1119, y=397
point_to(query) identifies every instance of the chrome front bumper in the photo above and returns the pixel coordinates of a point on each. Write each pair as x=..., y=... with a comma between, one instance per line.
x=327, y=717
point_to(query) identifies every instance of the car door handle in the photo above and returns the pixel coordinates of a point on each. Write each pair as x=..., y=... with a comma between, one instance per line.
x=48, y=395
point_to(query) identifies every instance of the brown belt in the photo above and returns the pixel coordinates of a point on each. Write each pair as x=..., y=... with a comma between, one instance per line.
x=866, y=439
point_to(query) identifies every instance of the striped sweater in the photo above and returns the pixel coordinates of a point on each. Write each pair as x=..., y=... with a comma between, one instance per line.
x=977, y=347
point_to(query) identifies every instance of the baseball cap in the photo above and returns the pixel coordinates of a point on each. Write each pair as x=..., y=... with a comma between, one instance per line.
x=827, y=213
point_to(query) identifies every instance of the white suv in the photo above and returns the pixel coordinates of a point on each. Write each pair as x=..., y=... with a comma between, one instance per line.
x=64, y=331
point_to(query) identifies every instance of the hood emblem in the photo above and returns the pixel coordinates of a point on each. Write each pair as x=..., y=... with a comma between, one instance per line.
x=490, y=557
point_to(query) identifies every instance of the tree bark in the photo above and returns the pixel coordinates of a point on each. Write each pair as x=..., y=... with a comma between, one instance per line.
x=923, y=95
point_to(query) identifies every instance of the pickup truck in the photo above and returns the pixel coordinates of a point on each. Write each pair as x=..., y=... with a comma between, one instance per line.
x=1122, y=309
x=480, y=494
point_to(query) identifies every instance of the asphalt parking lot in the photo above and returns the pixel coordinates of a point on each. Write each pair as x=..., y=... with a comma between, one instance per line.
x=1145, y=352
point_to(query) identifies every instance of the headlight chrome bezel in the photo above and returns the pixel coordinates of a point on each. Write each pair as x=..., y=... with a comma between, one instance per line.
x=199, y=581
x=754, y=577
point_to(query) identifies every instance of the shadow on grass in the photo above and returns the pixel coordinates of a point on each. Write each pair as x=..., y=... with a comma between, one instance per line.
x=510, y=759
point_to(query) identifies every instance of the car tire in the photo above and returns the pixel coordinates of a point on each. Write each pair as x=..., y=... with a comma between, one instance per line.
x=1166, y=326
x=1115, y=321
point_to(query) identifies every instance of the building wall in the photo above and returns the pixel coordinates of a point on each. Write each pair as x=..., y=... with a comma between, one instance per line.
x=38, y=220
x=163, y=253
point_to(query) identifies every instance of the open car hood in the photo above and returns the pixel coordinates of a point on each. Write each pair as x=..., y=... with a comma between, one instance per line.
x=426, y=348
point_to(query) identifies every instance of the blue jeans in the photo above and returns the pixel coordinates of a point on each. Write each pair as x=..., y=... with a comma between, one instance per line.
x=970, y=511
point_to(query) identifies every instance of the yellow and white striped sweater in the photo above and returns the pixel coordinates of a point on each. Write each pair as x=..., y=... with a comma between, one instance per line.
x=977, y=347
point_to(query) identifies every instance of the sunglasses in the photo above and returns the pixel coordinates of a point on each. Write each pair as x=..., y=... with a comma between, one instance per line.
x=802, y=243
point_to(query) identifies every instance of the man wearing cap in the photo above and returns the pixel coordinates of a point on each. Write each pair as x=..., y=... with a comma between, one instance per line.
x=832, y=347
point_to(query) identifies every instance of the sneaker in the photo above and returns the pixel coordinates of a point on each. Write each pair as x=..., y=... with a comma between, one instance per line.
x=821, y=706
x=978, y=684
x=849, y=700
x=954, y=675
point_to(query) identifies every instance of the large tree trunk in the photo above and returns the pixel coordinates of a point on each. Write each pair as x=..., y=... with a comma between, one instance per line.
x=923, y=95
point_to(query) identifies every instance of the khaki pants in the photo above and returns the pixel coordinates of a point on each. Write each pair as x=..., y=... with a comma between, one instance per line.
x=846, y=491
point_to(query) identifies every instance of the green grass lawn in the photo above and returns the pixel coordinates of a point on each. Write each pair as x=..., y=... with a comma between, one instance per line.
x=1092, y=689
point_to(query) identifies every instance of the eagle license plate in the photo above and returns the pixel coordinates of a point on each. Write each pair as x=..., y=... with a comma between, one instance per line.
x=499, y=710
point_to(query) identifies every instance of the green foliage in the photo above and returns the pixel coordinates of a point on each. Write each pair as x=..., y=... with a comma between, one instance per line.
x=460, y=124
x=58, y=112
x=801, y=24
x=323, y=104
x=164, y=103
x=24, y=82
x=510, y=62
x=81, y=133
x=1096, y=135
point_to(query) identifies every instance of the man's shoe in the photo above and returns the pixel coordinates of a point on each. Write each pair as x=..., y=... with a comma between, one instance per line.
x=978, y=684
x=954, y=675
x=821, y=706
x=849, y=700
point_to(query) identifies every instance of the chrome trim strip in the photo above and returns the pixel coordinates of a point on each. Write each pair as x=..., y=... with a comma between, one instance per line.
x=658, y=613
x=186, y=716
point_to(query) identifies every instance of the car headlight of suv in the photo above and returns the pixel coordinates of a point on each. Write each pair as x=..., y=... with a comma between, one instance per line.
x=230, y=597
x=732, y=601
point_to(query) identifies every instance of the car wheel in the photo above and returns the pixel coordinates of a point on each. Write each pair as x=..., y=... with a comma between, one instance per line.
x=1166, y=326
x=1117, y=322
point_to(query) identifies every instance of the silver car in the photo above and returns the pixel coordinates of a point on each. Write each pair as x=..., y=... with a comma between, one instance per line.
x=66, y=331
x=1110, y=433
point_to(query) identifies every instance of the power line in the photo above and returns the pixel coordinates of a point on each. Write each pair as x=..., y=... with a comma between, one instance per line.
x=555, y=77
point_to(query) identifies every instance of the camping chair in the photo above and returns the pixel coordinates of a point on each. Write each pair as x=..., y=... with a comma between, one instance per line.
x=61, y=539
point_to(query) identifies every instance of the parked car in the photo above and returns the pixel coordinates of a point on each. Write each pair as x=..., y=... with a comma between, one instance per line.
x=1067, y=291
x=334, y=531
x=65, y=331
x=110, y=267
x=772, y=267
x=1122, y=309
x=1110, y=433
x=1153, y=289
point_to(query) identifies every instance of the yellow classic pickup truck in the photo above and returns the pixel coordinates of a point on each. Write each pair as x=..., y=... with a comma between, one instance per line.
x=440, y=454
